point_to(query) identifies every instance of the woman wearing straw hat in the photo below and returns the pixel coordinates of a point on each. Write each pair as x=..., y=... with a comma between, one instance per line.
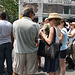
x=51, y=65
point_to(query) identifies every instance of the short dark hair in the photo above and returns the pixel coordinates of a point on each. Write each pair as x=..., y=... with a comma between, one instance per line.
x=3, y=15
x=27, y=9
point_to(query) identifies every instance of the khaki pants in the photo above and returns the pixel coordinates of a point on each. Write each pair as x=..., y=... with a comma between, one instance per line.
x=29, y=61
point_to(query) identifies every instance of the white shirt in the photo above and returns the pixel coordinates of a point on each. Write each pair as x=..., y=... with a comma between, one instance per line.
x=71, y=39
x=5, y=31
x=57, y=36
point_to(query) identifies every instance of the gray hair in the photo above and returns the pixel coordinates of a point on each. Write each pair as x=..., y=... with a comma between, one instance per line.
x=27, y=9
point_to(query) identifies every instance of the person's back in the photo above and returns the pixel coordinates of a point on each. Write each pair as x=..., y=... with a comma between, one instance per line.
x=5, y=31
x=64, y=42
x=26, y=32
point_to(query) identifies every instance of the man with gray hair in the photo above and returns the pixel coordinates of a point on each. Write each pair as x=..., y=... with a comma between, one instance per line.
x=25, y=32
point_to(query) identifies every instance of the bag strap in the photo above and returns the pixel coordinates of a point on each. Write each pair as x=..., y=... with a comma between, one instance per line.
x=73, y=40
x=54, y=36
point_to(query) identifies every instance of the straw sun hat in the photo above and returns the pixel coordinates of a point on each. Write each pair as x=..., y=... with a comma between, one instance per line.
x=53, y=15
x=73, y=23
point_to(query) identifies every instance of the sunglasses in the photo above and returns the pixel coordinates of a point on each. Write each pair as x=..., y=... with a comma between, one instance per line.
x=50, y=19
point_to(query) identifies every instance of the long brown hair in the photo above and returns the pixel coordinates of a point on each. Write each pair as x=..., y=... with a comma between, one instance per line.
x=57, y=21
x=63, y=21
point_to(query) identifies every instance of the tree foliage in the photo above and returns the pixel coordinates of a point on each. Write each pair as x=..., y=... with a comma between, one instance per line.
x=11, y=8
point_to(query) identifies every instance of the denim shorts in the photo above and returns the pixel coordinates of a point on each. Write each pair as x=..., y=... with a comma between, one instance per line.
x=63, y=53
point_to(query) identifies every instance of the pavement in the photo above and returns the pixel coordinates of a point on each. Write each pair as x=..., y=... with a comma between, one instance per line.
x=40, y=71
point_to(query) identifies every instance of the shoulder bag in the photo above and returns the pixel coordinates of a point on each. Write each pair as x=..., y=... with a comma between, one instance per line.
x=49, y=51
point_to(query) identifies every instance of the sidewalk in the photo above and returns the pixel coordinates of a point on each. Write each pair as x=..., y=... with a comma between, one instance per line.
x=40, y=72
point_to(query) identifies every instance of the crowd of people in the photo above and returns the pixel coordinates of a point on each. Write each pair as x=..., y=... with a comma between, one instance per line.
x=24, y=35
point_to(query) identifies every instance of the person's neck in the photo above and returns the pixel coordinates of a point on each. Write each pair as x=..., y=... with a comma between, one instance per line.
x=62, y=27
x=55, y=26
x=73, y=28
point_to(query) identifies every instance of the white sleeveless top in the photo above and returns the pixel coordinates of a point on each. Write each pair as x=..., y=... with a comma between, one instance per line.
x=71, y=39
x=57, y=36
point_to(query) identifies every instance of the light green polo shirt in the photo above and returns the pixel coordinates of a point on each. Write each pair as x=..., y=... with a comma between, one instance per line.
x=25, y=32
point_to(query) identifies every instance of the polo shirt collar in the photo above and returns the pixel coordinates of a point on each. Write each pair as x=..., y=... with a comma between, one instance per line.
x=27, y=18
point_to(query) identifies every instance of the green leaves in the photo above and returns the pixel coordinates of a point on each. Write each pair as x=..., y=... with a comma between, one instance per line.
x=11, y=8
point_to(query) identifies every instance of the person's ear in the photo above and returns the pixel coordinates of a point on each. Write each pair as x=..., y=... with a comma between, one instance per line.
x=30, y=14
x=63, y=23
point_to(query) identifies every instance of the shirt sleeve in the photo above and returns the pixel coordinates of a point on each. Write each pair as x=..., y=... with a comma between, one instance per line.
x=37, y=26
x=63, y=31
x=14, y=24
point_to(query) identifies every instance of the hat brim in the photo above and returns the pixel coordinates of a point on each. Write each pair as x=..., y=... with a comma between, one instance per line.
x=54, y=18
x=72, y=24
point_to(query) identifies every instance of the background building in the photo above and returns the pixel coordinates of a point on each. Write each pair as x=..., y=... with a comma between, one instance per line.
x=65, y=8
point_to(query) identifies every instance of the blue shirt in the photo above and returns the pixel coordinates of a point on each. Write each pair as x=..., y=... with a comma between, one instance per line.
x=64, y=42
x=5, y=31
